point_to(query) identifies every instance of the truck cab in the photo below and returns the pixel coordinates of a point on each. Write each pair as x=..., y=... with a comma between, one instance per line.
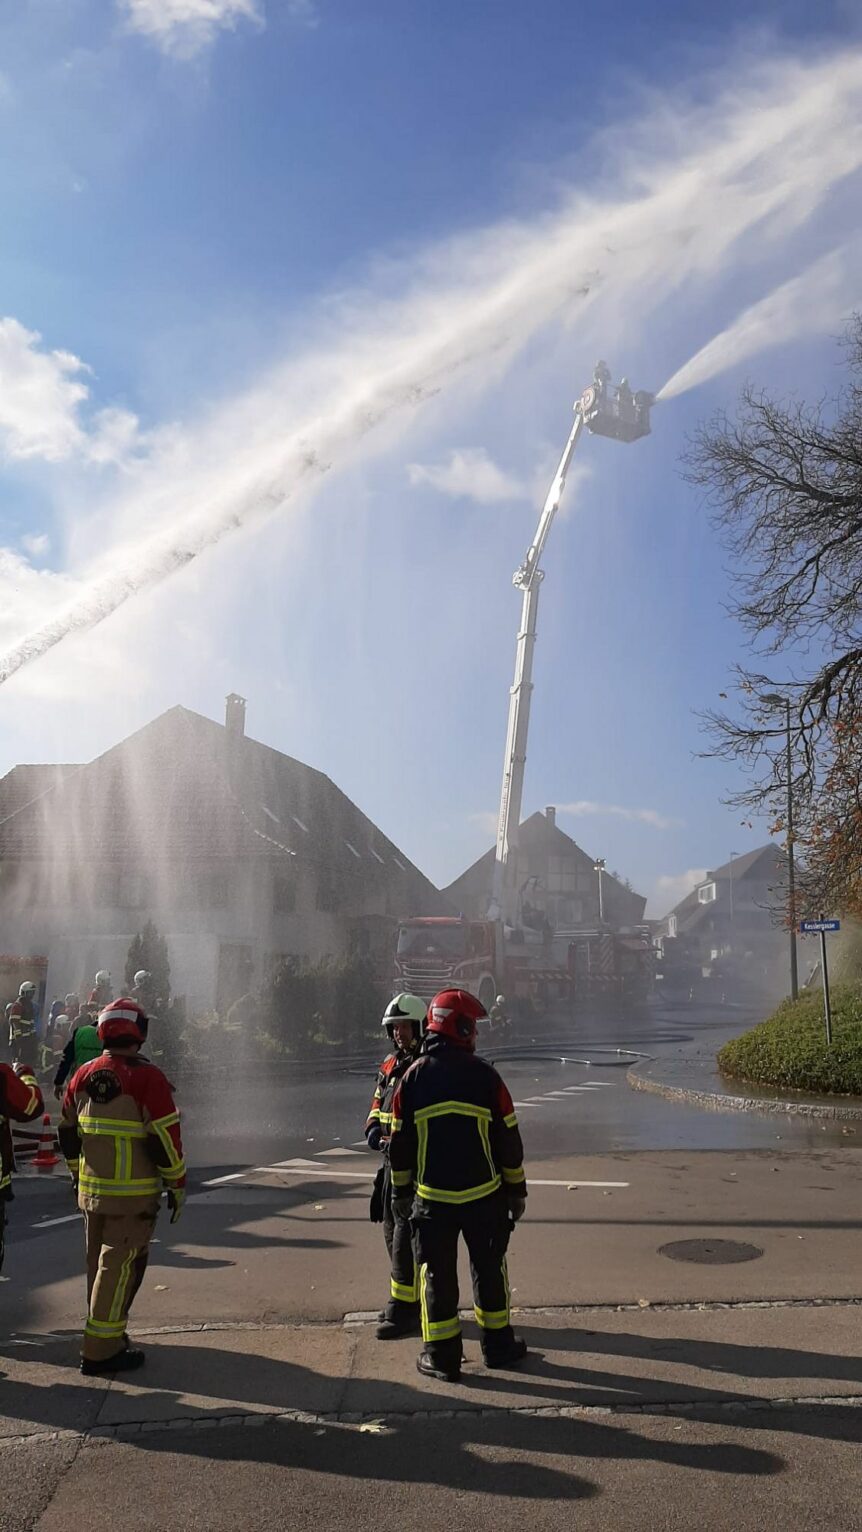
x=435, y=952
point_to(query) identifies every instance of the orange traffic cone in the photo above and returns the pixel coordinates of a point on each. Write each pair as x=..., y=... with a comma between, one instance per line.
x=45, y=1158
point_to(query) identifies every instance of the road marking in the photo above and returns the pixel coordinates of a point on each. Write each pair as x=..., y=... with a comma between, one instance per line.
x=297, y=1164
x=48, y=1223
x=316, y=1170
x=325, y=1154
x=519, y=1104
x=237, y=1175
x=618, y=1184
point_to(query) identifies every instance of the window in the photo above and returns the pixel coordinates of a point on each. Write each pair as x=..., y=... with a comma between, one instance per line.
x=297, y=821
x=706, y=893
x=377, y=857
x=283, y=895
x=354, y=850
x=672, y=925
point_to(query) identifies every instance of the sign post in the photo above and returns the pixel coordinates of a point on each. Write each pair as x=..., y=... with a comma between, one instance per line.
x=822, y=926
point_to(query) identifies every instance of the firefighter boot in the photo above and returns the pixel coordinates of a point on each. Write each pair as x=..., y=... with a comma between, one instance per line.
x=502, y=1348
x=442, y=1361
x=398, y=1318
x=122, y=1361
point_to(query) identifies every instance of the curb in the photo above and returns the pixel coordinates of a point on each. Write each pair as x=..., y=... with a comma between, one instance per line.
x=638, y=1078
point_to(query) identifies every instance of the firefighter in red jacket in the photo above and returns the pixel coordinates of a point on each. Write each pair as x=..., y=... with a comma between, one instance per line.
x=20, y=1100
x=457, y=1168
x=403, y=1020
x=120, y=1133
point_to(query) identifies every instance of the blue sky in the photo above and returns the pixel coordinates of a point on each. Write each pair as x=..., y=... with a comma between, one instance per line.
x=229, y=222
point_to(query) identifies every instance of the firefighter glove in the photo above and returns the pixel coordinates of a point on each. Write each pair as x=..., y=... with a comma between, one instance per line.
x=374, y=1136
x=517, y=1208
x=402, y=1207
x=176, y=1201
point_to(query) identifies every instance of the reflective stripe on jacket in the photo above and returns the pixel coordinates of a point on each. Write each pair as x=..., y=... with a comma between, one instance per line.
x=20, y=1099
x=120, y=1133
x=390, y=1072
x=455, y=1135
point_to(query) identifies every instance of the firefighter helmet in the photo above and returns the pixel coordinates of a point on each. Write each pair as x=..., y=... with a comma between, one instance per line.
x=123, y=1022
x=27, y=988
x=71, y=1000
x=142, y=976
x=500, y=1000
x=102, y=977
x=405, y=1008
x=454, y=1014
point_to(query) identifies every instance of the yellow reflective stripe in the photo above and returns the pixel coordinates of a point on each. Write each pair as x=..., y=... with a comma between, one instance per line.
x=395, y=1123
x=5, y=1180
x=165, y=1122
x=74, y=1165
x=101, y=1188
x=107, y=1126
x=119, y=1299
x=168, y=1145
x=402, y=1292
x=485, y=1135
x=104, y=1329
x=435, y=1329
x=173, y=1172
x=422, y=1148
x=402, y=1177
x=511, y=1121
x=471, y=1194
x=385, y=1118
x=496, y=1319
x=373, y=1115
x=514, y=1177
x=454, y=1108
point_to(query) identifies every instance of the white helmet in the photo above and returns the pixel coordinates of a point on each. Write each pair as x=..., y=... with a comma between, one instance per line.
x=103, y=977
x=142, y=975
x=27, y=988
x=500, y=1000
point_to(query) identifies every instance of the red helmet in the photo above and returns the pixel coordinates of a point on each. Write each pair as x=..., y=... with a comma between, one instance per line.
x=454, y=1014
x=123, y=1021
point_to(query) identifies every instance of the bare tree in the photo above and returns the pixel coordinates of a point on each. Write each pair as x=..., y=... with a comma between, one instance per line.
x=783, y=480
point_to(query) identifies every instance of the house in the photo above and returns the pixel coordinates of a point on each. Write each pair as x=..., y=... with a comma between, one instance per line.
x=558, y=883
x=240, y=855
x=732, y=919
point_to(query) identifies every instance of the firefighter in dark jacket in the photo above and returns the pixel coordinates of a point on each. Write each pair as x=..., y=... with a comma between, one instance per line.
x=457, y=1168
x=20, y=1100
x=403, y=1020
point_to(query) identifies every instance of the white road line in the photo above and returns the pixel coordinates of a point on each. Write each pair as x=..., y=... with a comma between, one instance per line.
x=318, y=1170
x=532, y=1182
x=236, y=1175
x=48, y=1223
x=519, y=1104
x=296, y=1164
x=325, y=1154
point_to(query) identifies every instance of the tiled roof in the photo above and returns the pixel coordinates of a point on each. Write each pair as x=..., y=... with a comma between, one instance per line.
x=544, y=833
x=184, y=788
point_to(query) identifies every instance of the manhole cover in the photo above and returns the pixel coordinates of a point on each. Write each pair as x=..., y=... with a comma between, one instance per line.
x=710, y=1252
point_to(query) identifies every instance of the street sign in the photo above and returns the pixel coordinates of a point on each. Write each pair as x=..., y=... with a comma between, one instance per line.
x=819, y=925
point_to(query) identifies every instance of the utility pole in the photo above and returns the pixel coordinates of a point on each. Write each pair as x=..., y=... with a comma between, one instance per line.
x=774, y=700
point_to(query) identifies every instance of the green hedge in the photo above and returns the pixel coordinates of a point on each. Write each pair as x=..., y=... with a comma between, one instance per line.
x=789, y=1051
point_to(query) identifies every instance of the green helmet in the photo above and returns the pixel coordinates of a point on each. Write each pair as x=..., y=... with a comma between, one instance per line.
x=405, y=1008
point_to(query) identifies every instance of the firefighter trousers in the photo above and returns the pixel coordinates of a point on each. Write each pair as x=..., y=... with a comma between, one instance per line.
x=486, y=1229
x=2, y=1232
x=403, y=1276
x=118, y=1246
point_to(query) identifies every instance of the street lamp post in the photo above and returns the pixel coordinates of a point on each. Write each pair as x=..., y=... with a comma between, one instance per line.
x=599, y=867
x=777, y=701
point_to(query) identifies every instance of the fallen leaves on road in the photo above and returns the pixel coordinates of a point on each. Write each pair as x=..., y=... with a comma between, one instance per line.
x=320, y=1207
x=161, y=1287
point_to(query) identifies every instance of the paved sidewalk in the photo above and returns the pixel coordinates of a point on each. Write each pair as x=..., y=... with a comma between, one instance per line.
x=692, y=1078
x=313, y=1423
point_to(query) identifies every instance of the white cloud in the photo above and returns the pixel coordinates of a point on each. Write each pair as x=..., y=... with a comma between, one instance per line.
x=185, y=27
x=670, y=888
x=42, y=397
x=303, y=12
x=469, y=474
x=584, y=808
x=36, y=543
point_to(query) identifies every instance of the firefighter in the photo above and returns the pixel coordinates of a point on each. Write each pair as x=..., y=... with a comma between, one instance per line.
x=23, y=1021
x=403, y=1020
x=21, y=1100
x=457, y=1168
x=103, y=992
x=120, y=1134
x=82, y=1045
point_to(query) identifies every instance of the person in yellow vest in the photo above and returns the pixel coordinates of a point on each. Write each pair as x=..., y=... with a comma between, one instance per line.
x=120, y=1134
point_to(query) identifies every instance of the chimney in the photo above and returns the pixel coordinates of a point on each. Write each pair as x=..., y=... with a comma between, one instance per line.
x=234, y=715
x=551, y=814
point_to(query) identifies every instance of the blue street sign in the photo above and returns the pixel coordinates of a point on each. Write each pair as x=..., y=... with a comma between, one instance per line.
x=820, y=925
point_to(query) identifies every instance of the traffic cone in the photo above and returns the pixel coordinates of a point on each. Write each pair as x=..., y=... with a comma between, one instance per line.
x=45, y=1158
